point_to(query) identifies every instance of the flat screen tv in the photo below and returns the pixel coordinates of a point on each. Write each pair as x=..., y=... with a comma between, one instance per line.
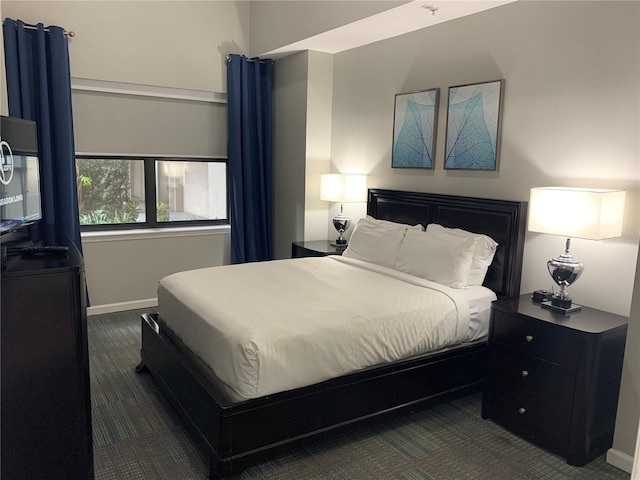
x=20, y=200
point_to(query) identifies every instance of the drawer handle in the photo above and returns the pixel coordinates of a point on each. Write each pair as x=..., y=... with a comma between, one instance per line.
x=525, y=373
x=522, y=411
x=529, y=338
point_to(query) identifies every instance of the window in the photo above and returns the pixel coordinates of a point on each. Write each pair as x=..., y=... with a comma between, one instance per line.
x=136, y=191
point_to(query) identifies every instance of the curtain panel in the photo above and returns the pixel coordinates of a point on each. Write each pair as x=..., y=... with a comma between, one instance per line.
x=249, y=106
x=39, y=89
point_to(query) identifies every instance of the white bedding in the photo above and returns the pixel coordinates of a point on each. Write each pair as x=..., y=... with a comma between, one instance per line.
x=274, y=326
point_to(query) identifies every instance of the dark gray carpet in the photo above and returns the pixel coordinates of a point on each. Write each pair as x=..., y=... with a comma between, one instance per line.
x=137, y=434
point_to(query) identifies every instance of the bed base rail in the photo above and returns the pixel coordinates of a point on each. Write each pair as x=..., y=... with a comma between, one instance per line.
x=236, y=433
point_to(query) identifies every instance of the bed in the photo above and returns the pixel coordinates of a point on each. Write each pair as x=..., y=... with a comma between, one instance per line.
x=238, y=425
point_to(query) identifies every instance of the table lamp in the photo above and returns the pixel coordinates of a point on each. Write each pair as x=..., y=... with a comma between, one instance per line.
x=343, y=188
x=590, y=213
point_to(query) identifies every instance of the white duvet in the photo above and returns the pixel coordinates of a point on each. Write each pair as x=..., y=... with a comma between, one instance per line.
x=274, y=326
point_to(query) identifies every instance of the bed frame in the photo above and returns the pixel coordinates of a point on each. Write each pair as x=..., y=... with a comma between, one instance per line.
x=236, y=433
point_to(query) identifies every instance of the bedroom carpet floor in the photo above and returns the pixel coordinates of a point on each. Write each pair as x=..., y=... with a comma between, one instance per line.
x=138, y=436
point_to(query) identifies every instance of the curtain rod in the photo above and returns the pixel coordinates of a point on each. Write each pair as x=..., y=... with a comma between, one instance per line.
x=46, y=29
x=251, y=60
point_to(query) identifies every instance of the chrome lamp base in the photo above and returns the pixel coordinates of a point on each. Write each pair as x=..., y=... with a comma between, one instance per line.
x=341, y=223
x=564, y=270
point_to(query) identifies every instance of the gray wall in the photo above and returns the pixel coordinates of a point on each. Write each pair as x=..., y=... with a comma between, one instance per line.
x=318, y=144
x=302, y=147
x=289, y=150
x=168, y=43
x=627, y=431
x=279, y=23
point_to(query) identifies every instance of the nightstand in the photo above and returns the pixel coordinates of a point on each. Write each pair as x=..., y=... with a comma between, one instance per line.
x=316, y=248
x=555, y=379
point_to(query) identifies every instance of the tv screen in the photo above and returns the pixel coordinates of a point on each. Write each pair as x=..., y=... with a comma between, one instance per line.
x=20, y=202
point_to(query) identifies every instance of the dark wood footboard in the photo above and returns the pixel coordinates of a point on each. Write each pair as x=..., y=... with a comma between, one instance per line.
x=235, y=433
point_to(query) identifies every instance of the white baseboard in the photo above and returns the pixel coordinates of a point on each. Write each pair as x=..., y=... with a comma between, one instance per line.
x=620, y=460
x=122, y=306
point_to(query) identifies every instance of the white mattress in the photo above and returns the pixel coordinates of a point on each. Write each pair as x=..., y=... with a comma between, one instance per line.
x=274, y=326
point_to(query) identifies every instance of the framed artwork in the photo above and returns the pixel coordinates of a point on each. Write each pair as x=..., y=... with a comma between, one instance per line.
x=415, y=121
x=473, y=126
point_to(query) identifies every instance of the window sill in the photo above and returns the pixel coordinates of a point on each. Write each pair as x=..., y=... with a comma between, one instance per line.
x=153, y=233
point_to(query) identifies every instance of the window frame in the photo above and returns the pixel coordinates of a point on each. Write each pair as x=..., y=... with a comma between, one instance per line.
x=150, y=197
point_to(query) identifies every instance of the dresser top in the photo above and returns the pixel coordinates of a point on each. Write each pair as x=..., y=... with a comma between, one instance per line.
x=18, y=265
x=589, y=320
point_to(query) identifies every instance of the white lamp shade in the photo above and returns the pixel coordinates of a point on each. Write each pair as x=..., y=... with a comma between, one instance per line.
x=331, y=187
x=344, y=188
x=594, y=214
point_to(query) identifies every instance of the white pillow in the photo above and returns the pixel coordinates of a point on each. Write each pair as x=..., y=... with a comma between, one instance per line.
x=482, y=256
x=377, y=241
x=389, y=223
x=437, y=258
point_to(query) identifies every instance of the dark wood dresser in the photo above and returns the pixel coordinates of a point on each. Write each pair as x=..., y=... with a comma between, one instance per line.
x=555, y=379
x=46, y=404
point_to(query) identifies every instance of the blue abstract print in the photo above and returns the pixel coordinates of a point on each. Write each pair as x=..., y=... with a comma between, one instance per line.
x=414, y=129
x=472, y=126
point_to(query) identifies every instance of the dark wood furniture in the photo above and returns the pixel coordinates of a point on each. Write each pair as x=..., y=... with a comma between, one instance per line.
x=46, y=404
x=554, y=379
x=234, y=433
x=314, y=248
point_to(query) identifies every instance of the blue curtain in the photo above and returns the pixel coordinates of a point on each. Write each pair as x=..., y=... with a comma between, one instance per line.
x=39, y=89
x=249, y=98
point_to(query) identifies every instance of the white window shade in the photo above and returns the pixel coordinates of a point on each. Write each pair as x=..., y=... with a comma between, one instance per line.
x=112, y=123
x=593, y=214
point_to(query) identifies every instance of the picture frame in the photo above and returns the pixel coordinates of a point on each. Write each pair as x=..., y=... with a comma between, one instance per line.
x=415, y=126
x=474, y=118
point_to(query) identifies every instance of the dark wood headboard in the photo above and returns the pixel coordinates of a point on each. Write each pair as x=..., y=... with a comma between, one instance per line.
x=503, y=220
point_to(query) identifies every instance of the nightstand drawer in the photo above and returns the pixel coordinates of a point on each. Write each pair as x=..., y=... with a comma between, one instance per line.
x=531, y=397
x=522, y=378
x=535, y=422
x=536, y=339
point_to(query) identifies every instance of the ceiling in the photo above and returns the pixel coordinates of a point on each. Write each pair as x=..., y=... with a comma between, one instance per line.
x=413, y=15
